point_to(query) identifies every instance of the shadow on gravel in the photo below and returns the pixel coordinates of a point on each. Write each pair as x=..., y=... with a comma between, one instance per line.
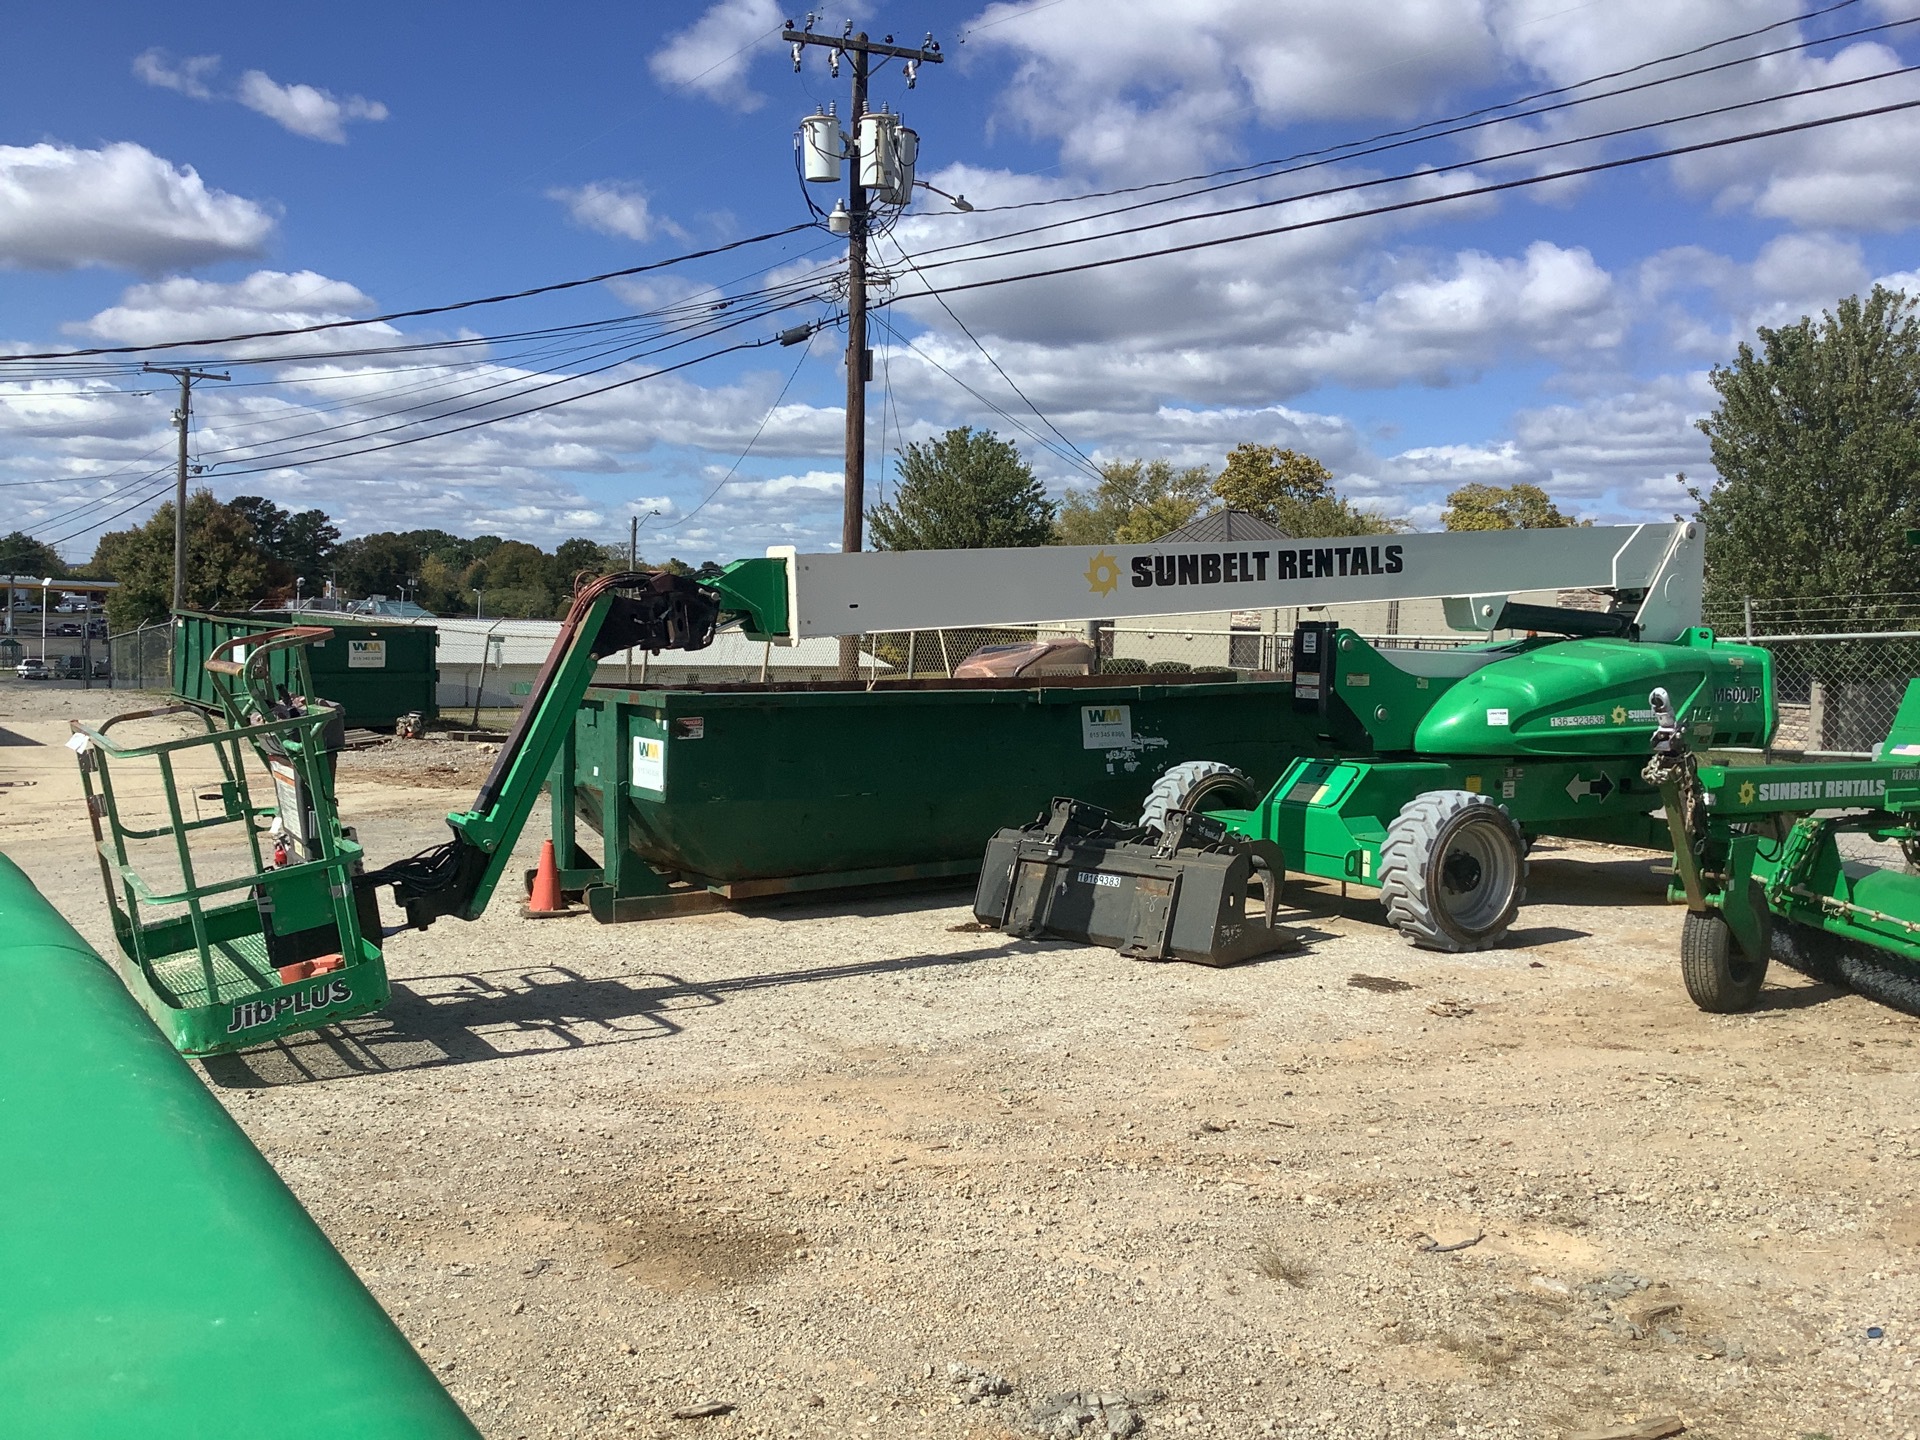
x=438, y=1020
x=1797, y=997
x=1542, y=935
x=1566, y=881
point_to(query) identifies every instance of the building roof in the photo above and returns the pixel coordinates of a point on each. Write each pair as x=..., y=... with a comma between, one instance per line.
x=32, y=582
x=527, y=642
x=1224, y=525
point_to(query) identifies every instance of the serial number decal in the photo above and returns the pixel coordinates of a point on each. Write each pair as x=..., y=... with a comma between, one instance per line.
x=1737, y=695
x=1094, y=877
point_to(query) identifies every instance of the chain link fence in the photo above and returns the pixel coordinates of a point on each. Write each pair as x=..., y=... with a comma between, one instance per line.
x=1119, y=650
x=1840, y=663
x=141, y=659
x=1837, y=693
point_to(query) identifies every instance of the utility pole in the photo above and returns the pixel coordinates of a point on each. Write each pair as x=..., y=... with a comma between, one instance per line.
x=186, y=374
x=860, y=50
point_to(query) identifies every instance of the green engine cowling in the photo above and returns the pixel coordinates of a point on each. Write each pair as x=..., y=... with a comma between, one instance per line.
x=1589, y=697
x=1542, y=698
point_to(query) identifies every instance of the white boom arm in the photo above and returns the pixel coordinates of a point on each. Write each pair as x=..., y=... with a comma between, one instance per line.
x=935, y=589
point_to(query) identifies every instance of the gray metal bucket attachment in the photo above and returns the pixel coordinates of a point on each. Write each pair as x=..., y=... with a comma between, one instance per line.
x=1077, y=874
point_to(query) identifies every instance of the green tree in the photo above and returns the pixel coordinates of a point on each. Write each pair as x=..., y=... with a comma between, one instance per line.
x=964, y=491
x=1136, y=501
x=226, y=569
x=21, y=554
x=1294, y=492
x=297, y=545
x=439, y=589
x=1817, y=443
x=1504, y=507
x=575, y=557
x=382, y=563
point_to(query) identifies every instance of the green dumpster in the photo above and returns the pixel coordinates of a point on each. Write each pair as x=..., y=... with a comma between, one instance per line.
x=378, y=670
x=740, y=791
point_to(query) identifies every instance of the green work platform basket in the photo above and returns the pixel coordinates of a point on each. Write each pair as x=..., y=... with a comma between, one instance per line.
x=236, y=922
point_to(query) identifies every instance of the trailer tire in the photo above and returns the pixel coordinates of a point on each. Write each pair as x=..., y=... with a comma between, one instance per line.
x=1453, y=871
x=1197, y=785
x=1721, y=978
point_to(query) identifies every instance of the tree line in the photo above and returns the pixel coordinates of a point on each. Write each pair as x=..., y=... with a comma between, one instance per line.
x=250, y=551
x=971, y=489
x=1815, y=438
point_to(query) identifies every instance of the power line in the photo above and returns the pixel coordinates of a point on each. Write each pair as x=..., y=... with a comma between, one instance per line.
x=1289, y=168
x=765, y=420
x=1465, y=115
x=258, y=469
x=1429, y=172
x=424, y=310
x=1017, y=422
x=622, y=352
x=256, y=465
x=1089, y=466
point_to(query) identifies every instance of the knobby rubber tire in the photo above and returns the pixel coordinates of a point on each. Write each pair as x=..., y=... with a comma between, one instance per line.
x=1197, y=784
x=1416, y=884
x=1720, y=977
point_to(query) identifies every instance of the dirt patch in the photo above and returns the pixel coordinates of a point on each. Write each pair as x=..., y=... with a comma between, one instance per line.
x=675, y=1251
x=427, y=764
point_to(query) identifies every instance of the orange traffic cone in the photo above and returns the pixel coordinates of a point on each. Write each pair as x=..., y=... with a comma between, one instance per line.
x=547, y=901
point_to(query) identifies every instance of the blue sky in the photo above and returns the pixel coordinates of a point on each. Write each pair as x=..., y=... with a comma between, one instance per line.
x=167, y=175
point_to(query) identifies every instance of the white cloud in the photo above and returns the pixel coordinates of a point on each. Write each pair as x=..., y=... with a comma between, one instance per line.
x=614, y=207
x=305, y=110
x=180, y=308
x=62, y=207
x=712, y=54
x=1136, y=89
x=188, y=76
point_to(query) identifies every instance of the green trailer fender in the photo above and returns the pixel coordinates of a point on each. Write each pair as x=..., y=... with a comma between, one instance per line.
x=160, y=1279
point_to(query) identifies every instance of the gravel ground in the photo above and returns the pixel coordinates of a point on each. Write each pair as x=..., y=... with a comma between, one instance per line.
x=858, y=1169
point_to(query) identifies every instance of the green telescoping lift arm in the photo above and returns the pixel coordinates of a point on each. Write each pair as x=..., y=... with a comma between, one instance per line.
x=649, y=611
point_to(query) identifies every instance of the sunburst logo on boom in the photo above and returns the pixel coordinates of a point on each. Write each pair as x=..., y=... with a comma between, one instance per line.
x=1103, y=574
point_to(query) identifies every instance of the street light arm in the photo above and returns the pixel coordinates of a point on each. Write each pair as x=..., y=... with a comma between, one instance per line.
x=959, y=201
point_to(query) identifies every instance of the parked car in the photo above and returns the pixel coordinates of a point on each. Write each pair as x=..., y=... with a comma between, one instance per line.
x=97, y=629
x=33, y=669
x=69, y=628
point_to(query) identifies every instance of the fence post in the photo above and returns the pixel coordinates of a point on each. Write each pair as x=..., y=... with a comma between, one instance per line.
x=1747, y=605
x=1817, y=715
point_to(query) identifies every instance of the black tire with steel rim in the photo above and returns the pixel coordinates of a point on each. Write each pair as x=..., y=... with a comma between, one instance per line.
x=1197, y=785
x=1453, y=871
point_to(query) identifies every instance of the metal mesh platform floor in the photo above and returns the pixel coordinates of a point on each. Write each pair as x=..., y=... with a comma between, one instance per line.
x=234, y=970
